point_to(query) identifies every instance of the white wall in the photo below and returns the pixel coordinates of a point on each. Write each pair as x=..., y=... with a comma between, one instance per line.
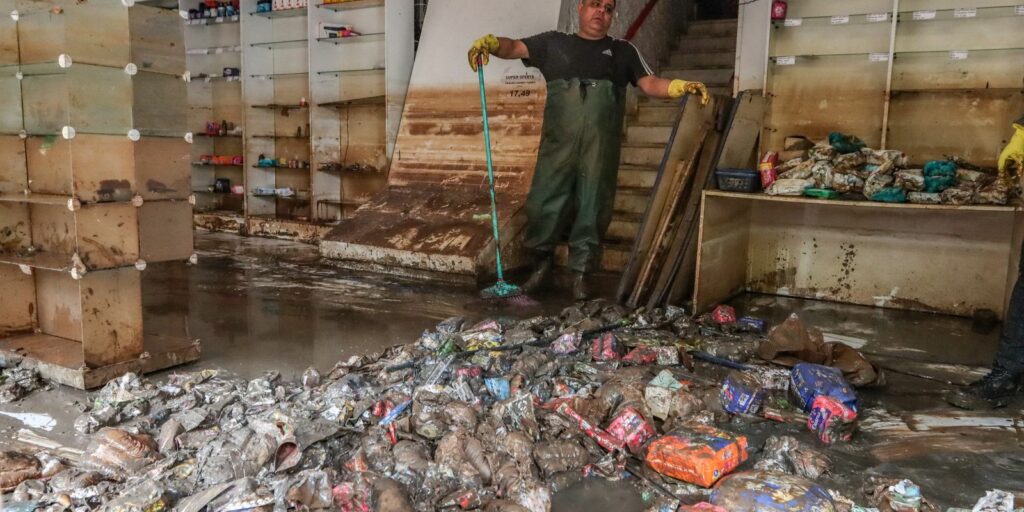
x=752, y=45
x=656, y=35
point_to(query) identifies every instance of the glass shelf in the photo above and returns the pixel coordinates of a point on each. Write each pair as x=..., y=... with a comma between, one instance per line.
x=229, y=136
x=365, y=38
x=272, y=76
x=351, y=5
x=370, y=100
x=273, y=106
x=213, y=78
x=275, y=45
x=202, y=22
x=199, y=164
x=281, y=13
x=214, y=50
x=280, y=167
x=959, y=14
x=351, y=71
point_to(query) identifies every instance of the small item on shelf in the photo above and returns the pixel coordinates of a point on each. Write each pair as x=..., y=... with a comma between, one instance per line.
x=769, y=169
x=738, y=180
x=263, y=191
x=302, y=101
x=222, y=186
x=821, y=193
x=206, y=159
x=232, y=72
x=237, y=190
x=284, y=192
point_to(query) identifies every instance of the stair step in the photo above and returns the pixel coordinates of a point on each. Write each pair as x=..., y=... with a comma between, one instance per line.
x=632, y=200
x=683, y=59
x=695, y=44
x=637, y=153
x=614, y=256
x=710, y=77
x=637, y=176
x=713, y=28
x=652, y=133
x=622, y=231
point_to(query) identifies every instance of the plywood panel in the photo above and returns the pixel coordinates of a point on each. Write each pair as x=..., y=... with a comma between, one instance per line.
x=821, y=95
x=17, y=302
x=162, y=168
x=107, y=236
x=911, y=259
x=970, y=124
x=165, y=231
x=740, y=148
x=156, y=104
x=157, y=39
x=92, y=167
x=59, y=304
x=111, y=316
x=53, y=229
x=724, y=237
x=10, y=101
x=91, y=99
x=15, y=234
x=13, y=173
x=93, y=32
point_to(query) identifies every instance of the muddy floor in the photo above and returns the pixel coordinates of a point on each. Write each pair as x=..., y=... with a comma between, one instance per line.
x=260, y=304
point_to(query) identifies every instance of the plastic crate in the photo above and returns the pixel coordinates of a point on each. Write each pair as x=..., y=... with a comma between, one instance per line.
x=738, y=180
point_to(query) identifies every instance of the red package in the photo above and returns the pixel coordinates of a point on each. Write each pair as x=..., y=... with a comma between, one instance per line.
x=642, y=355
x=769, y=169
x=470, y=372
x=604, y=439
x=606, y=347
x=724, y=314
x=698, y=454
x=631, y=428
x=702, y=507
x=831, y=419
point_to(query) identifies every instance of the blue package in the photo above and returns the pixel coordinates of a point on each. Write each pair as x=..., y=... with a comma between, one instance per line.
x=769, y=492
x=808, y=381
x=741, y=393
x=754, y=324
x=498, y=387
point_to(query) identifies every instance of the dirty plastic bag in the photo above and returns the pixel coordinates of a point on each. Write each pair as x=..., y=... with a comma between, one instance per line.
x=924, y=198
x=792, y=342
x=995, y=501
x=911, y=180
x=759, y=491
x=15, y=468
x=784, y=454
x=117, y=453
x=789, y=187
x=845, y=183
x=960, y=194
x=559, y=455
x=997, y=193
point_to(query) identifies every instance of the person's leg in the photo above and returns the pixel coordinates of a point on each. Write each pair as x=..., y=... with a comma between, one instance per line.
x=595, y=189
x=554, y=180
x=1004, y=381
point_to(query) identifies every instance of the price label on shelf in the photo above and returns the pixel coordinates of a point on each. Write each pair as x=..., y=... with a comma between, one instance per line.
x=218, y=50
x=924, y=15
x=1019, y=10
x=218, y=19
x=785, y=61
x=965, y=12
x=793, y=22
x=958, y=55
x=877, y=18
x=878, y=57
x=840, y=20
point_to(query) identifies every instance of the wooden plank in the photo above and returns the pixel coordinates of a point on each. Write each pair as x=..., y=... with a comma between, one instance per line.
x=17, y=302
x=872, y=205
x=724, y=237
x=982, y=70
x=740, y=146
x=165, y=231
x=15, y=227
x=13, y=173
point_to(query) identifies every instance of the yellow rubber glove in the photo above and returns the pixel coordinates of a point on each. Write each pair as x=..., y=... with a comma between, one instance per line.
x=482, y=49
x=1014, y=147
x=680, y=87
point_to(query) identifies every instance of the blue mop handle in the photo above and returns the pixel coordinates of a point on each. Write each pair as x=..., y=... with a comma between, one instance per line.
x=490, y=169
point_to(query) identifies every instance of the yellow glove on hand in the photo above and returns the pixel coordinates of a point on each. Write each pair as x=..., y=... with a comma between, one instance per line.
x=482, y=49
x=680, y=87
x=1014, y=147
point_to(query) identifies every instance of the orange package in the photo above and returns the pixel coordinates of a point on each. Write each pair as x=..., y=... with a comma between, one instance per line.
x=697, y=454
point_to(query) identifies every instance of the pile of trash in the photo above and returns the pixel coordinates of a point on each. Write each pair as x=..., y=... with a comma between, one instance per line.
x=496, y=416
x=17, y=381
x=842, y=164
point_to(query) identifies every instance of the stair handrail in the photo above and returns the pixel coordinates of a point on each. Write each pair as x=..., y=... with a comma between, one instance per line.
x=640, y=19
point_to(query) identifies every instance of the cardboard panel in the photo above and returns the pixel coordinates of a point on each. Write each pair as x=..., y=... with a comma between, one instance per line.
x=94, y=168
x=10, y=100
x=157, y=101
x=93, y=32
x=17, y=302
x=13, y=174
x=91, y=99
x=15, y=234
x=157, y=39
x=59, y=304
x=107, y=235
x=111, y=316
x=162, y=166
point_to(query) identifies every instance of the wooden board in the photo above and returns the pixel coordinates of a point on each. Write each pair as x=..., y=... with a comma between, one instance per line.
x=91, y=167
x=724, y=238
x=157, y=40
x=13, y=174
x=102, y=235
x=111, y=316
x=165, y=231
x=18, y=302
x=91, y=99
x=96, y=31
x=163, y=168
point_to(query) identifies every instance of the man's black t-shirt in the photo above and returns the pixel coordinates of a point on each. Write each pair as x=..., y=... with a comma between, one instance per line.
x=562, y=56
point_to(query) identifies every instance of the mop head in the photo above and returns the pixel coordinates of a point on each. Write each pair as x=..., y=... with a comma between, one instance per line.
x=507, y=294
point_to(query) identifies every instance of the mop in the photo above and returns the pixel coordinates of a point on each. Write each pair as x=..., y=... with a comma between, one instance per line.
x=501, y=291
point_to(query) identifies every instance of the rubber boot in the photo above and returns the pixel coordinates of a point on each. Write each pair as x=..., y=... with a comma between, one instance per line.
x=539, y=278
x=580, y=290
x=991, y=391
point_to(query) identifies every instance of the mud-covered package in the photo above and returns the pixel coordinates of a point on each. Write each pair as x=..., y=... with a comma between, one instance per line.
x=697, y=454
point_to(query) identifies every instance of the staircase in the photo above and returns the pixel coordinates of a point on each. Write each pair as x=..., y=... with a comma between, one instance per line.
x=707, y=53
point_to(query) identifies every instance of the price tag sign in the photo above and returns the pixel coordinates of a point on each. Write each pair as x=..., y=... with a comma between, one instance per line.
x=793, y=22
x=219, y=50
x=877, y=18
x=218, y=19
x=785, y=61
x=1019, y=10
x=878, y=57
x=924, y=15
x=840, y=20
x=965, y=12
x=958, y=55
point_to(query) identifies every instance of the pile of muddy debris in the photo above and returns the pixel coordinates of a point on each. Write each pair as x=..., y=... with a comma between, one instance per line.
x=497, y=416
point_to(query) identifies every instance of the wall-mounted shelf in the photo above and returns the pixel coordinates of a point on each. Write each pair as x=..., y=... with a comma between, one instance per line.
x=265, y=136
x=273, y=76
x=366, y=71
x=214, y=78
x=273, y=106
x=371, y=100
x=281, y=13
x=364, y=38
x=202, y=22
x=206, y=136
x=280, y=45
x=351, y=5
x=199, y=164
x=215, y=50
x=277, y=167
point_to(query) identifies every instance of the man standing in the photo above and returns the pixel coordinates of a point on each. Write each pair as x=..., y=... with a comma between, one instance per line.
x=1004, y=381
x=575, y=178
